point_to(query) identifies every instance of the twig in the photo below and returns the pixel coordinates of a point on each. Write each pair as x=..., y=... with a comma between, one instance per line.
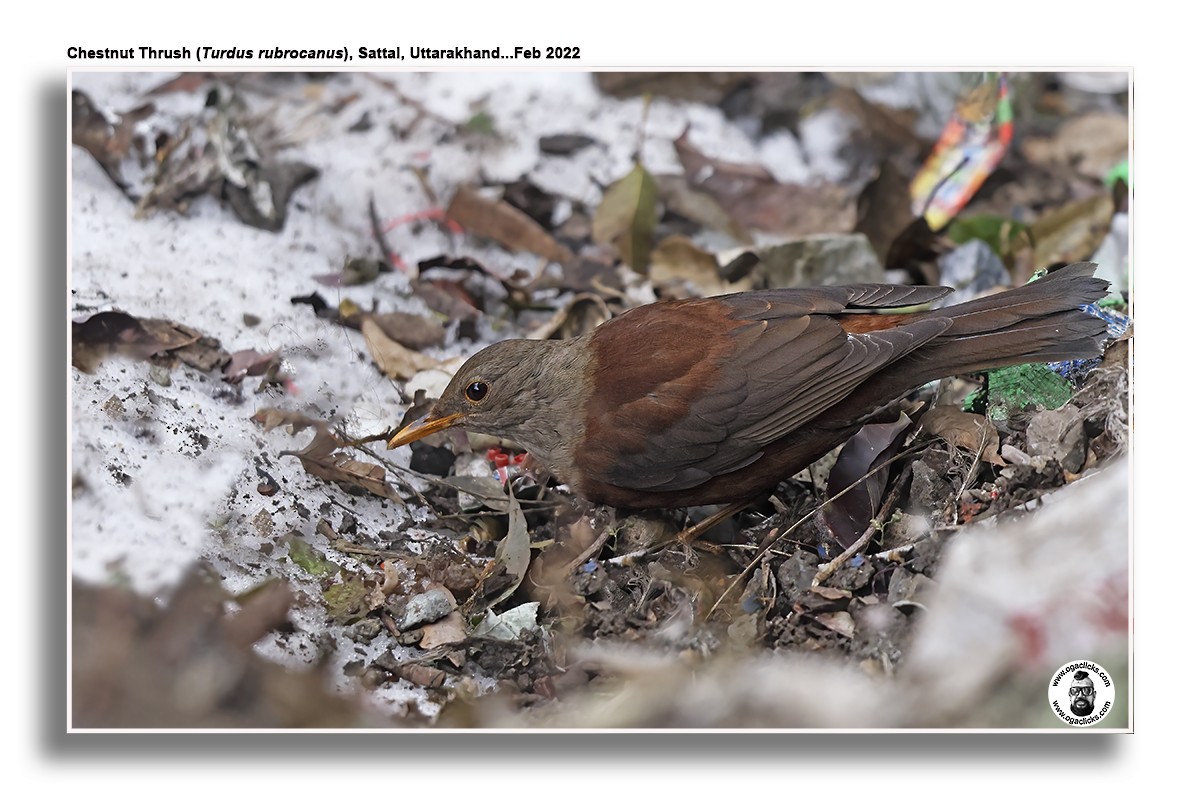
x=589, y=551
x=873, y=527
x=765, y=547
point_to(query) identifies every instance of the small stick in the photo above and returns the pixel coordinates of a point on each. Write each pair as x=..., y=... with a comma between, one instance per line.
x=873, y=527
x=765, y=548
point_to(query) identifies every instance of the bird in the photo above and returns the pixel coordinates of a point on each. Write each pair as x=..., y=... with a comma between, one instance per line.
x=701, y=401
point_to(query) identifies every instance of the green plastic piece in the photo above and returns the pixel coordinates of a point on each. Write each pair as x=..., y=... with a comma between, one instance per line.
x=1119, y=172
x=1014, y=389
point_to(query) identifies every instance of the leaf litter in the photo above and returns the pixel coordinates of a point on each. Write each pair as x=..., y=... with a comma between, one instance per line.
x=482, y=610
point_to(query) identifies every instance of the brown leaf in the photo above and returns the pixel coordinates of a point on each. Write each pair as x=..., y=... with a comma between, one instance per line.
x=884, y=208
x=137, y=663
x=581, y=315
x=1073, y=232
x=117, y=333
x=271, y=418
x=411, y=330
x=707, y=88
x=447, y=298
x=108, y=144
x=848, y=514
x=890, y=128
x=393, y=359
x=838, y=622
x=679, y=197
x=249, y=362
x=1092, y=144
x=677, y=262
x=496, y=219
x=512, y=562
x=756, y=200
x=450, y=629
x=321, y=461
x=972, y=432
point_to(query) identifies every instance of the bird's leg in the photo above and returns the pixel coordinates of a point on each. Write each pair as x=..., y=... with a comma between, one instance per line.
x=687, y=535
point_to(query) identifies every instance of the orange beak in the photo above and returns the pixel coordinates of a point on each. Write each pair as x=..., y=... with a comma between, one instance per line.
x=419, y=429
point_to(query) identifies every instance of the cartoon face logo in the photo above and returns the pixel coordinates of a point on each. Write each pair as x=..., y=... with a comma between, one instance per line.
x=1082, y=693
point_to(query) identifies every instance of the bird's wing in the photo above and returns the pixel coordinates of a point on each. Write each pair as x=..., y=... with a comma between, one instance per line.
x=698, y=389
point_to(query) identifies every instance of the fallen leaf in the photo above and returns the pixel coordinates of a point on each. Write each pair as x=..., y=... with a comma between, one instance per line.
x=496, y=219
x=583, y=313
x=756, y=200
x=411, y=330
x=627, y=215
x=188, y=661
x=679, y=197
x=884, y=208
x=489, y=490
x=107, y=143
x=512, y=559
x=890, y=128
x=838, y=622
x=393, y=359
x=677, y=263
x=306, y=558
x=974, y=433
x=117, y=333
x=819, y=259
x=355, y=272
x=509, y=625
x=450, y=629
x=848, y=514
x=1009, y=239
x=347, y=601
x=1091, y=144
x=271, y=418
x=448, y=299
x=564, y=144
x=708, y=88
x=320, y=460
x=1073, y=232
x=243, y=363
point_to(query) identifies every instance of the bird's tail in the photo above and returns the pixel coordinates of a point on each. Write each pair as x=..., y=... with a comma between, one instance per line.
x=1040, y=321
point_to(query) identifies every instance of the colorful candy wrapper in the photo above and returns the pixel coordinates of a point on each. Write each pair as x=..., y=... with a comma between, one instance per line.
x=970, y=147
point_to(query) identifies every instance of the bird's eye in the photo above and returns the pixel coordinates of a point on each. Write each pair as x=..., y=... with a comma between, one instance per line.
x=476, y=391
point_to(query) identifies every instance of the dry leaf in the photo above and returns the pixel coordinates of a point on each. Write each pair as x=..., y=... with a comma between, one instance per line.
x=450, y=629
x=838, y=622
x=320, y=461
x=249, y=362
x=1092, y=144
x=512, y=560
x=756, y=200
x=393, y=359
x=1073, y=232
x=117, y=333
x=679, y=197
x=499, y=220
x=271, y=418
x=628, y=214
x=581, y=315
x=677, y=261
x=848, y=514
x=884, y=210
x=972, y=432
x=411, y=330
